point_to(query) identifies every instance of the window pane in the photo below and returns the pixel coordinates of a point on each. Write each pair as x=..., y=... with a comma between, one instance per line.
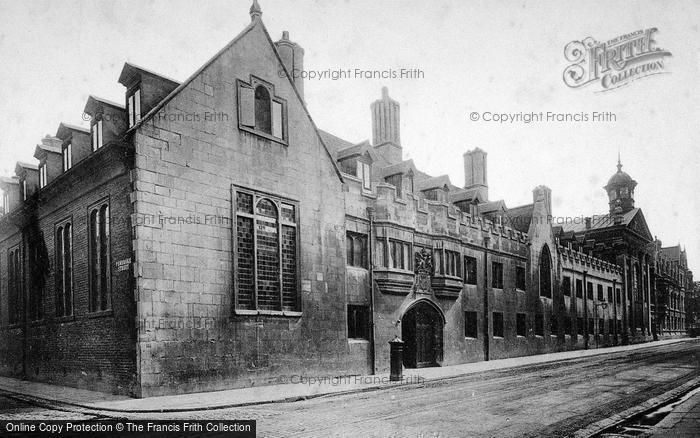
x=245, y=271
x=60, y=279
x=104, y=258
x=137, y=105
x=277, y=119
x=244, y=202
x=263, y=120
x=267, y=247
x=130, y=104
x=94, y=260
x=68, y=269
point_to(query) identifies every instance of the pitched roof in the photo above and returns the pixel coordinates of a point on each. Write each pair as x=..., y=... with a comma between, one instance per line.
x=356, y=150
x=520, y=217
x=491, y=206
x=465, y=195
x=64, y=128
x=94, y=102
x=334, y=142
x=437, y=182
x=9, y=180
x=672, y=252
x=42, y=148
x=131, y=69
x=599, y=222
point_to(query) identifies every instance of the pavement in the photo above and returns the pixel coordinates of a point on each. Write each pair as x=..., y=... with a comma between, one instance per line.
x=683, y=421
x=310, y=388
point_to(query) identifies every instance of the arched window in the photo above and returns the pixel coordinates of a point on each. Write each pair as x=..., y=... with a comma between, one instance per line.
x=263, y=109
x=99, y=258
x=266, y=253
x=545, y=273
x=64, y=274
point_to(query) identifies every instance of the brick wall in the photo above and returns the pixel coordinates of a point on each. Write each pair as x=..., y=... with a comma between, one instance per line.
x=87, y=350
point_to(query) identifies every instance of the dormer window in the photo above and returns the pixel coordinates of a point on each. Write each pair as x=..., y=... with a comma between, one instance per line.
x=363, y=172
x=23, y=189
x=67, y=156
x=133, y=104
x=396, y=181
x=260, y=111
x=96, y=134
x=42, y=176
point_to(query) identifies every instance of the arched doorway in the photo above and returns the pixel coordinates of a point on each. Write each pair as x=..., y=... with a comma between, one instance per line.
x=421, y=330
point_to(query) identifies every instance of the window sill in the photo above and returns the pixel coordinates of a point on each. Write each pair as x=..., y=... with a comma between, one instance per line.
x=497, y=337
x=263, y=134
x=517, y=289
x=63, y=319
x=470, y=338
x=358, y=341
x=286, y=313
x=99, y=314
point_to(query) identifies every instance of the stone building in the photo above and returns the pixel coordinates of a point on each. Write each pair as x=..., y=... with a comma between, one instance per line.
x=674, y=283
x=207, y=235
x=650, y=273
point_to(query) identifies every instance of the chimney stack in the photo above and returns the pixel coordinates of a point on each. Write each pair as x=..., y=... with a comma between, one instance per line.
x=475, y=172
x=293, y=58
x=385, y=127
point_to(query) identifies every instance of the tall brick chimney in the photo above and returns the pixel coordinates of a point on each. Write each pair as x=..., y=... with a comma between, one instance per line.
x=386, y=127
x=475, y=172
x=293, y=58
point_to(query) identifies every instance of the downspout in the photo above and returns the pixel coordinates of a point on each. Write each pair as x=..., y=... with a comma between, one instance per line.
x=614, y=304
x=370, y=260
x=25, y=303
x=585, y=311
x=486, y=298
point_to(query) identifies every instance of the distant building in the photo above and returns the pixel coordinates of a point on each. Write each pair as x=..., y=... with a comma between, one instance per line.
x=207, y=235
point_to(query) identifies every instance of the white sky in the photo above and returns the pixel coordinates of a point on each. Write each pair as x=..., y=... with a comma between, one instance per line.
x=476, y=56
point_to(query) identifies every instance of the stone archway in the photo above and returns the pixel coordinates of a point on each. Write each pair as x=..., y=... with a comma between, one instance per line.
x=422, y=331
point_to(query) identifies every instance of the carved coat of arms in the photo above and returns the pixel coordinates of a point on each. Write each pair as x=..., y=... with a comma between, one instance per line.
x=423, y=267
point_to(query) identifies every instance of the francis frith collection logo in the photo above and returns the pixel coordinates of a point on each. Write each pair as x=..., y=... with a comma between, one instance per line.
x=616, y=62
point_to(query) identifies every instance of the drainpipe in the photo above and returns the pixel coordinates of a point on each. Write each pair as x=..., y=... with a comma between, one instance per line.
x=614, y=304
x=370, y=261
x=486, y=298
x=25, y=303
x=585, y=311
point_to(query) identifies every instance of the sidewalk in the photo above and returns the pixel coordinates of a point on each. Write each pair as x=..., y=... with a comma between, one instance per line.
x=280, y=393
x=683, y=421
